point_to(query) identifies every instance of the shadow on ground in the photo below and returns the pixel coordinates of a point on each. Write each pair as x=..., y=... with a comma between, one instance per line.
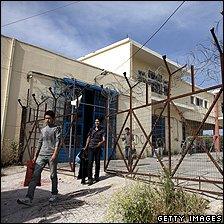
x=11, y=212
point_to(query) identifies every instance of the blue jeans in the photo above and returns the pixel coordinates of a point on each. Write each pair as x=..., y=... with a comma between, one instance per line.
x=40, y=164
x=93, y=155
x=127, y=152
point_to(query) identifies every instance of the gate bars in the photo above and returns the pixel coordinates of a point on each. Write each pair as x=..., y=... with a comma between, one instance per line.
x=167, y=104
x=131, y=115
x=25, y=140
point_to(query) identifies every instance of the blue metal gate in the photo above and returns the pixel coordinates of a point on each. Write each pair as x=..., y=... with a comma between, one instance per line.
x=93, y=105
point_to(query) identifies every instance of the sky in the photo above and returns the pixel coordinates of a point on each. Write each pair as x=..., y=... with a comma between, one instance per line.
x=86, y=26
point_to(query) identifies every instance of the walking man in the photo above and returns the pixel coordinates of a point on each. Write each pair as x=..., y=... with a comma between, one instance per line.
x=47, y=153
x=95, y=139
x=127, y=138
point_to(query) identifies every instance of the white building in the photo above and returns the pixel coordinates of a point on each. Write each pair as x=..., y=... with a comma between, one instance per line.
x=144, y=64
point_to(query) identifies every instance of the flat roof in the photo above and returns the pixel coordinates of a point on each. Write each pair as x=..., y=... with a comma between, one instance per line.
x=124, y=41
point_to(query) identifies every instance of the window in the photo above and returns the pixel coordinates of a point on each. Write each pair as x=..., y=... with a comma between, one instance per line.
x=192, y=100
x=158, y=84
x=150, y=74
x=153, y=76
x=199, y=102
x=141, y=76
x=141, y=73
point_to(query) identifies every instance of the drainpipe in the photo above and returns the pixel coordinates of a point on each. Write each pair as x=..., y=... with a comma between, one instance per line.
x=216, y=134
x=5, y=110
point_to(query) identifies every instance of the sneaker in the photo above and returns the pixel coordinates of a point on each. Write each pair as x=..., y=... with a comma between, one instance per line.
x=24, y=201
x=53, y=198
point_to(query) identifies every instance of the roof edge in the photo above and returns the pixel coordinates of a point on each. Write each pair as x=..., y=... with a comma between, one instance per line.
x=108, y=47
x=52, y=52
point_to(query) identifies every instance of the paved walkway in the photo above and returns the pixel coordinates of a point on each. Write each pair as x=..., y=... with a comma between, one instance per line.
x=77, y=203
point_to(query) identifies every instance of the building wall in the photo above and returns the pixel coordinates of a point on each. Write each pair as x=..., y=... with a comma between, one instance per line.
x=144, y=116
x=197, y=113
x=111, y=59
x=139, y=64
x=193, y=113
x=190, y=112
x=19, y=59
x=6, y=52
x=179, y=87
x=28, y=58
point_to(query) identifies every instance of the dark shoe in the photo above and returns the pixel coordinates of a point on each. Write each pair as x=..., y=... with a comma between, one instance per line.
x=53, y=198
x=96, y=179
x=90, y=182
x=25, y=201
x=83, y=182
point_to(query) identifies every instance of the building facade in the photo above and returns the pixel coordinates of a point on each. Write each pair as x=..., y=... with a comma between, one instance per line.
x=143, y=64
x=28, y=70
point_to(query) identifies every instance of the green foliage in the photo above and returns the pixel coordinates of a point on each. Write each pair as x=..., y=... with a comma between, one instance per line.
x=208, y=140
x=9, y=152
x=142, y=203
x=175, y=152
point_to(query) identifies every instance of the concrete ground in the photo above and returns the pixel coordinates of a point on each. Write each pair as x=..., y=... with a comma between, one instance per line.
x=77, y=203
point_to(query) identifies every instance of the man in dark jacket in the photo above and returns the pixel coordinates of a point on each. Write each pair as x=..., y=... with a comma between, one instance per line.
x=95, y=139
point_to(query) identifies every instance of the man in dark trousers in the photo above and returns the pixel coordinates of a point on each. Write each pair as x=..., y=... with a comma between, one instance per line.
x=47, y=153
x=128, y=138
x=83, y=167
x=95, y=139
x=159, y=148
